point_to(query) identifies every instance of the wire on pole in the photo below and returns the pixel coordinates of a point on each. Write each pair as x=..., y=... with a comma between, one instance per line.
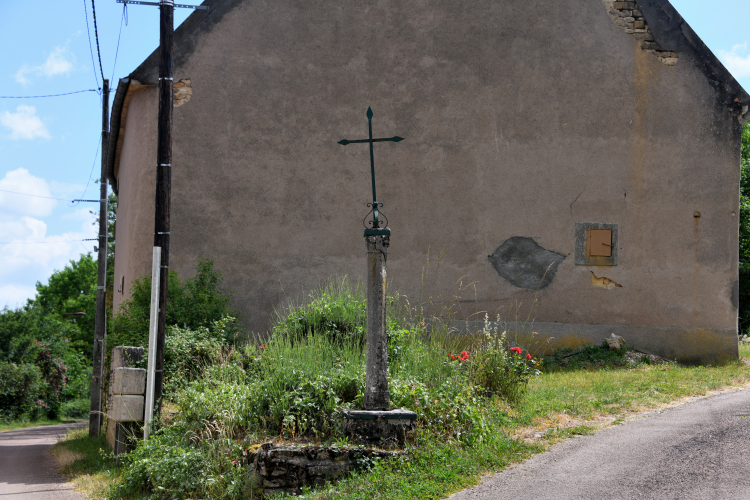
x=91, y=49
x=96, y=34
x=49, y=95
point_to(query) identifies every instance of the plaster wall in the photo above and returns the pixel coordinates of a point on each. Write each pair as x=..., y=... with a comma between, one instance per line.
x=520, y=118
x=136, y=175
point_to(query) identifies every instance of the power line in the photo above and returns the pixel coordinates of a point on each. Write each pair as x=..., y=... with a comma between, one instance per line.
x=49, y=95
x=123, y=18
x=91, y=49
x=34, y=195
x=96, y=34
x=43, y=241
x=98, y=145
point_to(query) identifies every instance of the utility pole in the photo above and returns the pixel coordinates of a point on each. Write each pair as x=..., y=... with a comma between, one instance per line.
x=100, y=321
x=163, y=179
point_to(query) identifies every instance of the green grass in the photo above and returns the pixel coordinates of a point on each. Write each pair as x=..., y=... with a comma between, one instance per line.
x=560, y=405
x=87, y=462
x=11, y=426
x=294, y=385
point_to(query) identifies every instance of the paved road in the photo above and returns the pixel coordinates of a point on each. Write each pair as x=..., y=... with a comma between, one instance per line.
x=700, y=450
x=27, y=470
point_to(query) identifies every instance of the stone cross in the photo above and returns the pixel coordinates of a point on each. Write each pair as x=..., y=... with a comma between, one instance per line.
x=377, y=239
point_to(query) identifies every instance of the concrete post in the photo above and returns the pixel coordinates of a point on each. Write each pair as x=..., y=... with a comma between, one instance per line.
x=377, y=395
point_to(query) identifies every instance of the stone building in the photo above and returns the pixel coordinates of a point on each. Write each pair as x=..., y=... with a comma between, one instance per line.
x=576, y=161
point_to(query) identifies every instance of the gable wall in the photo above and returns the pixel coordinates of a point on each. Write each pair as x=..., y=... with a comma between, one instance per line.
x=136, y=176
x=521, y=118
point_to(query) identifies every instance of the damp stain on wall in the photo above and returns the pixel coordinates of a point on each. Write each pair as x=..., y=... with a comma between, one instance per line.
x=525, y=264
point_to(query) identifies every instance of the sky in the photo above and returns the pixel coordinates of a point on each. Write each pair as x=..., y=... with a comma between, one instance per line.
x=50, y=147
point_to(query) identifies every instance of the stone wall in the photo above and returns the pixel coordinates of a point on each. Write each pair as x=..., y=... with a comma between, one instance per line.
x=290, y=468
x=628, y=16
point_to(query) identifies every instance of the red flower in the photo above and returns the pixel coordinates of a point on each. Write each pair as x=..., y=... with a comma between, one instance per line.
x=464, y=355
x=516, y=350
x=528, y=356
x=262, y=346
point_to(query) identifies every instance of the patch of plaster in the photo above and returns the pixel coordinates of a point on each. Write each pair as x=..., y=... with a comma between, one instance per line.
x=525, y=264
x=629, y=17
x=183, y=91
x=603, y=282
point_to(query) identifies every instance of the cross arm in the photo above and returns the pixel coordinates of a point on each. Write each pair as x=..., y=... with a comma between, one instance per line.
x=139, y=2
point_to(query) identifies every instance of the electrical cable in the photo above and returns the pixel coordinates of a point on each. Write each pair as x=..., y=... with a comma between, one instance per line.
x=91, y=49
x=98, y=145
x=96, y=34
x=50, y=95
x=34, y=195
x=44, y=241
x=117, y=50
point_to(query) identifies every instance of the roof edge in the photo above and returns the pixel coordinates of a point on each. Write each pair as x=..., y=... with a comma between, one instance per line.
x=185, y=38
x=114, y=129
x=673, y=33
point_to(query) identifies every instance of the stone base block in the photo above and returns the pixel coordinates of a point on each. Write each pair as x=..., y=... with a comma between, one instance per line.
x=129, y=381
x=126, y=356
x=126, y=408
x=288, y=469
x=124, y=436
x=381, y=427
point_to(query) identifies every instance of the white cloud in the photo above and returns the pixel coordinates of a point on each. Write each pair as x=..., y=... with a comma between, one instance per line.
x=60, y=62
x=15, y=296
x=736, y=60
x=24, y=124
x=30, y=255
x=21, y=181
x=28, y=252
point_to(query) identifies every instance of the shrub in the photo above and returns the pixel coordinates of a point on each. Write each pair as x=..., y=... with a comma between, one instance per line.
x=498, y=370
x=187, y=351
x=193, y=303
x=337, y=310
x=20, y=391
x=75, y=408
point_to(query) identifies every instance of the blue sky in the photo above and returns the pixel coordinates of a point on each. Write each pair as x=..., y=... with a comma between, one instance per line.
x=48, y=146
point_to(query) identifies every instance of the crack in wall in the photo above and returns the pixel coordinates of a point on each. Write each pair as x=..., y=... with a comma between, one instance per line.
x=629, y=17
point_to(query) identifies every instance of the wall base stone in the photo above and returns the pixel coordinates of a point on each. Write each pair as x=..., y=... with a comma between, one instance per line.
x=288, y=469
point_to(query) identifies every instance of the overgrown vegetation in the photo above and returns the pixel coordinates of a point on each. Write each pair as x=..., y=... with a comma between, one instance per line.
x=45, y=350
x=225, y=398
x=744, y=291
x=564, y=402
x=192, y=303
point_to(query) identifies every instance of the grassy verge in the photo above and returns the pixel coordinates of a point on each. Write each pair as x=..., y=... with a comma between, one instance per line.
x=86, y=462
x=558, y=405
x=11, y=426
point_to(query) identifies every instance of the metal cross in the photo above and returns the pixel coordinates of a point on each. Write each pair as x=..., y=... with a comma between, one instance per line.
x=375, y=222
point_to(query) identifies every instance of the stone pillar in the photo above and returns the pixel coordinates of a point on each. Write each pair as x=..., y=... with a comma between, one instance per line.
x=377, y=395
x=126, y=399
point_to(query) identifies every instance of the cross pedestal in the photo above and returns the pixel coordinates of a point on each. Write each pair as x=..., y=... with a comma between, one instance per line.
x=377, y=395
x=377, y=423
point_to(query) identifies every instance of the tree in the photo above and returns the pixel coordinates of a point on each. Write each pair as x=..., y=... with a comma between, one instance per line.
x=744, y=296
x=71, y=290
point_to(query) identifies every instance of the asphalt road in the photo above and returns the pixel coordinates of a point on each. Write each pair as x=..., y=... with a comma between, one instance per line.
x=28, y=470
x=700, y=450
